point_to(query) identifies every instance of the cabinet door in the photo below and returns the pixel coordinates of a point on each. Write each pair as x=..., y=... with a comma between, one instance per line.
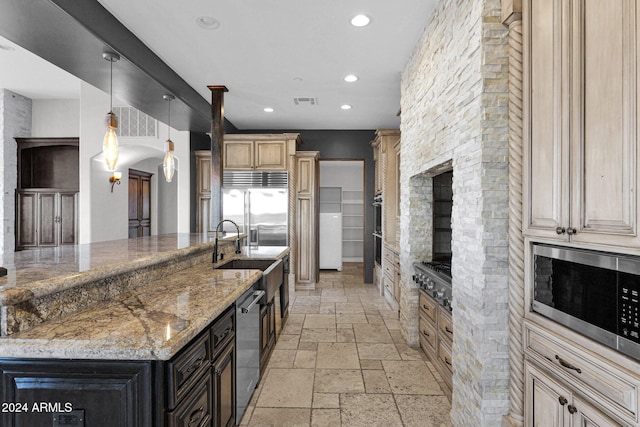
x=306, y=176
x=604, y=122
x=108, y=393
x=26, y=234
x=588, y=416
x=238, y=155
x=68, y=218
x=546, y=166
x=224, y=380
x=546, y=400
x=47, y=219
x=270, y=155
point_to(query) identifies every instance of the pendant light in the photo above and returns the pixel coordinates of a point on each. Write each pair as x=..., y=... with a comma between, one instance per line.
x=169, y=162
x=110, y=142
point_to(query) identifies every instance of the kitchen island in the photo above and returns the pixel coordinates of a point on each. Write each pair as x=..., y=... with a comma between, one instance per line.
x=141, y=351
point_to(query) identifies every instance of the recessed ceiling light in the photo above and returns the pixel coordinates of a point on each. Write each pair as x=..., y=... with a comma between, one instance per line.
x=7, y=48
x=268, y=110
x=351, y=78
x=346, y=107
x=208, y=22
x=360, y=20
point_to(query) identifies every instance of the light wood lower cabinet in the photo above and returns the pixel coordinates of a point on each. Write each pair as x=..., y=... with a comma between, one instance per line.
x=567, y=385
x=391, y=277
x=436, y=336
x=550, y=404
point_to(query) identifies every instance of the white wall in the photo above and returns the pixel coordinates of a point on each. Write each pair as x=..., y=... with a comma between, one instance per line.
x=346, y=174
x=103, y=215
x=55, y=118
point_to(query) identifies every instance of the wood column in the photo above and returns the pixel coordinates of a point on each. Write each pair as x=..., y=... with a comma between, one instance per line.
x=217, y=140
x=512, y=18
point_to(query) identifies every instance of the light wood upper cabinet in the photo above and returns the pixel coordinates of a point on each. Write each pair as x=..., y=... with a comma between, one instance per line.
x=238, y=155
x=386, y=152
x=268, y=152
x=581, y=116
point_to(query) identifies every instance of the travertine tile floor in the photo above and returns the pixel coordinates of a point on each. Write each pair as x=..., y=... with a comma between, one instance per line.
x=341, y=361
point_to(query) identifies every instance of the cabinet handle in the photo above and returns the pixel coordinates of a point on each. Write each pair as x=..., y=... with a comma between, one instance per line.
x=196, y=416
x=224, y=334
x=425, y=334
x=446, y=328
x=567, y=365
x=195, y=365
x=572, y=409
x=560, y=230
x=447, y=362
x=426, y=307
x=571, y=231
x=563, y=400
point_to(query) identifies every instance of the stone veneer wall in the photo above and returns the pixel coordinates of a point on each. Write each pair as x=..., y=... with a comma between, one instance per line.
x=15, y=122
x=455, y=108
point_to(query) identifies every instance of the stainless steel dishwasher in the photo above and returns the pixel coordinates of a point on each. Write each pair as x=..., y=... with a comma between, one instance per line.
x=247, y=347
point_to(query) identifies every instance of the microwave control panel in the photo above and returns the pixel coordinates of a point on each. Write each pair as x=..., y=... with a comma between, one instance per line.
x=628, y=310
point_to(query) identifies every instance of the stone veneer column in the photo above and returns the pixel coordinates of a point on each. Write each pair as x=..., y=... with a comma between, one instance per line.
x=15, y=122
x=455, y=109
x=512, y=18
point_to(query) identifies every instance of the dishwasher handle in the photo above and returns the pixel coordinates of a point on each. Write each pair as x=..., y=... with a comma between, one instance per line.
x=258, y=295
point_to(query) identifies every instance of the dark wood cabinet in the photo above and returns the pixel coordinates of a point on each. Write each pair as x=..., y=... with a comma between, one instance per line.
x=104, y=394
x=224, y=383
x=46, y=218
x=46, y=195
x=267, y=332
x=139, y=203
x=195, y=388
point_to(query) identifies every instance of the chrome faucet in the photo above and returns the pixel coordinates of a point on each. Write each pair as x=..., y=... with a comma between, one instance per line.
x=215, y=245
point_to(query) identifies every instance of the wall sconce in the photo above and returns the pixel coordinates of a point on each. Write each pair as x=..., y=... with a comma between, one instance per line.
x=115, y=179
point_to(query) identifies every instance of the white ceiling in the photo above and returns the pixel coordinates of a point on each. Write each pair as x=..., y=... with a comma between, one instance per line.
x=266, y=52
x=29, y=75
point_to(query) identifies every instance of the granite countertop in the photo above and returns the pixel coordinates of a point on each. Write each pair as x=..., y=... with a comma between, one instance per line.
x=152, y=321
x=35, y=273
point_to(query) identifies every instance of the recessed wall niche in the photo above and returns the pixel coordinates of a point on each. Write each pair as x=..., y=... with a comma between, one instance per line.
x=51, y=163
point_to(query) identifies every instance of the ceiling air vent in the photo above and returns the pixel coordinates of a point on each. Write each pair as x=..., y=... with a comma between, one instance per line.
x=305, y=101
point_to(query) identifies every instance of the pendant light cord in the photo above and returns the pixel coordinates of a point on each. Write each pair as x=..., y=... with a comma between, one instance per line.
x=111, y=88
x=169, y=124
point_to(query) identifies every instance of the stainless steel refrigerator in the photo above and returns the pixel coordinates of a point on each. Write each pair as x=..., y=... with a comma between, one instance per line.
x=258, y=202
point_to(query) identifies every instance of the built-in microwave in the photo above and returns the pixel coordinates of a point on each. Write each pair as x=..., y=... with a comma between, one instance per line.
x=594, y=293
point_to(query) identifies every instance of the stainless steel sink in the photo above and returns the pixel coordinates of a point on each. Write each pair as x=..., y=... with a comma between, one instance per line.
x=272, y=272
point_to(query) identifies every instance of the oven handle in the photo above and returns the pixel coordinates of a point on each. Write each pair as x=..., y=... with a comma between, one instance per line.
x=258, y=295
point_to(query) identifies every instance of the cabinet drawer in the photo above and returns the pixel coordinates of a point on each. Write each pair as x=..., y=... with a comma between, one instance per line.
x=427, y=306
x=389, y=257
x=445, y=325
x=428, y=332
x=222, y=331
x=196, y=408
x=605, y=383
x=444, y=354
x=185, y=368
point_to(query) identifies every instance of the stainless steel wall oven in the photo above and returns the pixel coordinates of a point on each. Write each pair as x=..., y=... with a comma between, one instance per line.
x=594, y=293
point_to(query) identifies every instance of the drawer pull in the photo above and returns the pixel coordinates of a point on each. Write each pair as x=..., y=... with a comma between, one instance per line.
x=426, y=307
x=425, y=334
x=446, y=360
x=563, y=400
x=224, y=334
x=572, y=409
x=446, y=328
x=195, y=365
x=196, y=416
x=567, y=365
